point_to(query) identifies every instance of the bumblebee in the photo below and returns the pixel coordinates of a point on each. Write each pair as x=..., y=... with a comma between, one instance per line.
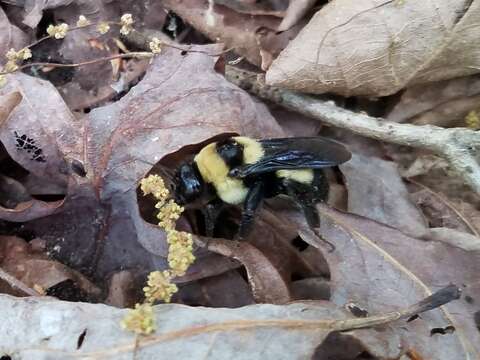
x=243, y=171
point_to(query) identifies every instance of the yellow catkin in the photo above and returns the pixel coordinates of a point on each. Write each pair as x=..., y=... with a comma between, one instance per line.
x=180, y=256
x=472, y=120
x=140, y=320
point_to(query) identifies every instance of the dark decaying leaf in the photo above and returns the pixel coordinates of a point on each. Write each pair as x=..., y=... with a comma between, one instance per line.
x=376, y=267
x=228, y=289
x=367, y=47
x=36, y=270
x=99, y=229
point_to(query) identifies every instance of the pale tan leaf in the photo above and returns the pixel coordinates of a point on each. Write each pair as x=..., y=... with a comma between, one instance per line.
x=378, y=47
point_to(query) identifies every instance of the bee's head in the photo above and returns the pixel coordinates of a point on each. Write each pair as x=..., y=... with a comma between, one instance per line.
x=188, y=184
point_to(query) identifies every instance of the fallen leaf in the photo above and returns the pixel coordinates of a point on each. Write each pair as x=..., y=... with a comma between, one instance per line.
x=377, y=267
x=34, y=9
x=14, y=103
x=10, y=36
x=122, y=289
x=296, y=10
x=226, y=290
x=222, y=24
x=99, y=229
x=441, y=212
x=442, y=103
x=295, y=124
x=282, y=332
x=267, y=284
x=366, y=48
x=36, y=270
x=455, y=238
x=376, y=191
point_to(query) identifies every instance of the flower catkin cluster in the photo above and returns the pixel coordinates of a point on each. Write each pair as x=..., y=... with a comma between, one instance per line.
x=180, y=255
x=14, y=58
x=155, y=45
x=82, y=21
x=126, y=21
x=57, y=31
x=180, y=243
x=472, y=120
x=140, y=320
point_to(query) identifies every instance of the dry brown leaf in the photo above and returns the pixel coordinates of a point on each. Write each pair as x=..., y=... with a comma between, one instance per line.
x=99, y=228
x=376, y=267
x=377, y=47
x=268, y=286
x=224, y=25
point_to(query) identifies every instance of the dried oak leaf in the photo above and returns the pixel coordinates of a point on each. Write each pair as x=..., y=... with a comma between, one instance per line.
x=99, y=228
x=376, y=47
x=377, y=267
x=292, y=331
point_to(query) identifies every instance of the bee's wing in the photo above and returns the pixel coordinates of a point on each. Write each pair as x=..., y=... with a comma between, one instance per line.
x=295, y=153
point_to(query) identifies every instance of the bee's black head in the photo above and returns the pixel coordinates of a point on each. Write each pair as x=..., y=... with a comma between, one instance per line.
x=188, y=184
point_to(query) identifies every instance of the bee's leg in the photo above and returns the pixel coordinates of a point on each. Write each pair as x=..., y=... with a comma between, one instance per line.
x=210, y=213
x=306, y=196
x=252, y=202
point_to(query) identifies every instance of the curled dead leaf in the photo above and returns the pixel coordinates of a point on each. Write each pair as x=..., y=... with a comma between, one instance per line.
x=377, y=48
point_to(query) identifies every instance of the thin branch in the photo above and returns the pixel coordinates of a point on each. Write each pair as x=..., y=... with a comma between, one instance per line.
x=16, y=284
x=141, y=40
x=458, y=146
x=89, y=62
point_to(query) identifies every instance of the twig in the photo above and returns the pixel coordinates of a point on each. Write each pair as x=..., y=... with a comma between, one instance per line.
x=16, y=284
x=141, y=40
x=89, y=62
x=458, y=146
